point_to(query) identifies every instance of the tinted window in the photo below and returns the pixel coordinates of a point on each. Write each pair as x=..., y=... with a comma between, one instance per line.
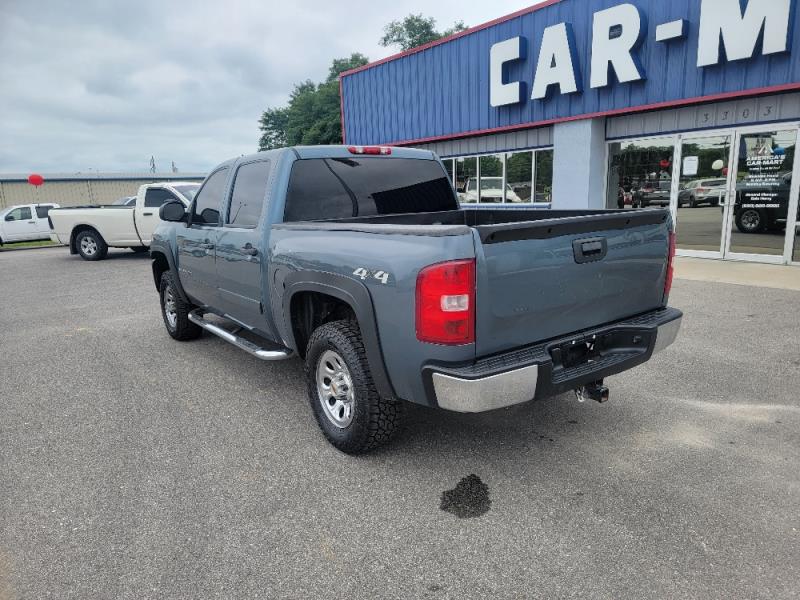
x=206, y=205
x=155, y=197
x=249, y=190
x=340, y=188
x=42, y=210
x=20, y=214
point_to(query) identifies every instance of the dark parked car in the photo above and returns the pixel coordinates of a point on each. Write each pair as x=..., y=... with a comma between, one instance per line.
x=360, y=261
x=763, y=208
x=652, y=193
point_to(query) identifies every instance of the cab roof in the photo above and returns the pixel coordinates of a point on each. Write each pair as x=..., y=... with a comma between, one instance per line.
x=334, y=151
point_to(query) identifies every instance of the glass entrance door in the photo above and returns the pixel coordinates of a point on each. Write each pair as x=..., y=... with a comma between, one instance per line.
x=758, y=216
x=703, y=194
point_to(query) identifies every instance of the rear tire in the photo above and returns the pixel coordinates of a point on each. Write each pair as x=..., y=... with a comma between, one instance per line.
x=352, y=415
x=175, y=311
x=91, y=245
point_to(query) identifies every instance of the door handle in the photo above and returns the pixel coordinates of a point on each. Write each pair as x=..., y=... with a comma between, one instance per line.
x=249, y=250
x=147, y=214
x=31, y=222
x=207, y=246
x=590, y=250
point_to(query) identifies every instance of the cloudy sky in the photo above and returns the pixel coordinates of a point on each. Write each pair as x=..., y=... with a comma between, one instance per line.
x=103, y=85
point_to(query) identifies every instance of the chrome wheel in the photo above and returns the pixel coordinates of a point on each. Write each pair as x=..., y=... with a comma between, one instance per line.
x=335, y=389
x=88, y=245
x=170, y=308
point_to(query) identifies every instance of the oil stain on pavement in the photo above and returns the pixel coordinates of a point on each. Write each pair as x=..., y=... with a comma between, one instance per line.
x=469, y=499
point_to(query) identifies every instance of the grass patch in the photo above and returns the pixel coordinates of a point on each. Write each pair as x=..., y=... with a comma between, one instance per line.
x=28, y=244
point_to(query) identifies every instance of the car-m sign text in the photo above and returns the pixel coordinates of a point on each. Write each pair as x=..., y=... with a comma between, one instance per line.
x=618, y=33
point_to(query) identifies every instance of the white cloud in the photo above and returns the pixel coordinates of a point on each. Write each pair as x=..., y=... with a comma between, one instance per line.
x=105, y=85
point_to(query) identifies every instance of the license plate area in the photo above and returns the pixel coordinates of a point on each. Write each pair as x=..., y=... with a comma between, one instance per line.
x=583, y=350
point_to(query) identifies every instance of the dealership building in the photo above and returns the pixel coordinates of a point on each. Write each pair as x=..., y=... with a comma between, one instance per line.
x=574, y=104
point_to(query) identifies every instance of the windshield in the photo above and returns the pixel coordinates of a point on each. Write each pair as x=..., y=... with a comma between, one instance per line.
x=188, y=191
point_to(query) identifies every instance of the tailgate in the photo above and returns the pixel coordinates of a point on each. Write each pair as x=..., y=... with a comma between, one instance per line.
x=553, y=277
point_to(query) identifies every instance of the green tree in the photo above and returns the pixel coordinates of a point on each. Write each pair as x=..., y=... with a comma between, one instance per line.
x=312, y=116
x=415, y=30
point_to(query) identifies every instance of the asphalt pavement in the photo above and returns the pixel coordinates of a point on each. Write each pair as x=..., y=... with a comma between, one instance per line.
x=134, y=466
x=700, y=228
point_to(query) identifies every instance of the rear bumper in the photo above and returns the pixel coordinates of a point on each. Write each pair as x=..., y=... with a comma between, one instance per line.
x=544, y=369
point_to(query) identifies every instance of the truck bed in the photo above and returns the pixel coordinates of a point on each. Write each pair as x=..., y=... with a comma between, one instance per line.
x=543, y=273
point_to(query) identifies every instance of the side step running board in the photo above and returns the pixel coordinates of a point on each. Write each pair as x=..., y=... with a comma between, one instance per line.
x=274, y=353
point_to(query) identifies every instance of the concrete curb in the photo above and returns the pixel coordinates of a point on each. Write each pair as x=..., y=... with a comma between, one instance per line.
x=783, y=277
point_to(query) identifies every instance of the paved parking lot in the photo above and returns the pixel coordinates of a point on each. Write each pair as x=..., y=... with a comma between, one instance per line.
x=701, y=229
x=133, y=466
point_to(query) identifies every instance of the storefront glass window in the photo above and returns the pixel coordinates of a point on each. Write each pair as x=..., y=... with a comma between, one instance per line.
x=513, y=177
x=491, y=175
x=448, y=166
x=702, y=194
x=519, y=176
x=544, y=176
x=640, y=173
x=763, y=186
x=466, y=177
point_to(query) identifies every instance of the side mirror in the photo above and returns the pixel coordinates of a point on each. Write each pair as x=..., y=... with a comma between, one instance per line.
x=10, y=218
x=173, y=211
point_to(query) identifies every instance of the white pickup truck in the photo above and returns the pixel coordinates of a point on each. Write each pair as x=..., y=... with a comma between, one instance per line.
x=25, y=222
x=91, y=230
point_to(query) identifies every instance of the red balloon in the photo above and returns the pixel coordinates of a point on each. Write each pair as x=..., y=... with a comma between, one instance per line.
x=35, y=179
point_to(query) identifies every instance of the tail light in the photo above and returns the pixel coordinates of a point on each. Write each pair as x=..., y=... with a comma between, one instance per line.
x=670, y=265
x=701, y=190
x=381, y=150
x=446, y=303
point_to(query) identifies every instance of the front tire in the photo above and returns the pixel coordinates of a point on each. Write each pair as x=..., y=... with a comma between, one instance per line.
x=352, y=415
x=91, y=245
x=175, y=311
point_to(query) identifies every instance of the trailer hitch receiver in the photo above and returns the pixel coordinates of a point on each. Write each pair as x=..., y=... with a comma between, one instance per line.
x=592, y=391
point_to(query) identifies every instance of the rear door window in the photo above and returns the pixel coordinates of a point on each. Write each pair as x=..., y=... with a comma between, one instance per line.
x=42, y=210
x=342, y=188
x=249, y=194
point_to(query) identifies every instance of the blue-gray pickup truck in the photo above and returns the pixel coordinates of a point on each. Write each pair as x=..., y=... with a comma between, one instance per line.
x=360, y=261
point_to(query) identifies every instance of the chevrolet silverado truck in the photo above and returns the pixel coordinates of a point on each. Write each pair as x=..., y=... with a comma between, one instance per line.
x=360, y=261
x=90, y=230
